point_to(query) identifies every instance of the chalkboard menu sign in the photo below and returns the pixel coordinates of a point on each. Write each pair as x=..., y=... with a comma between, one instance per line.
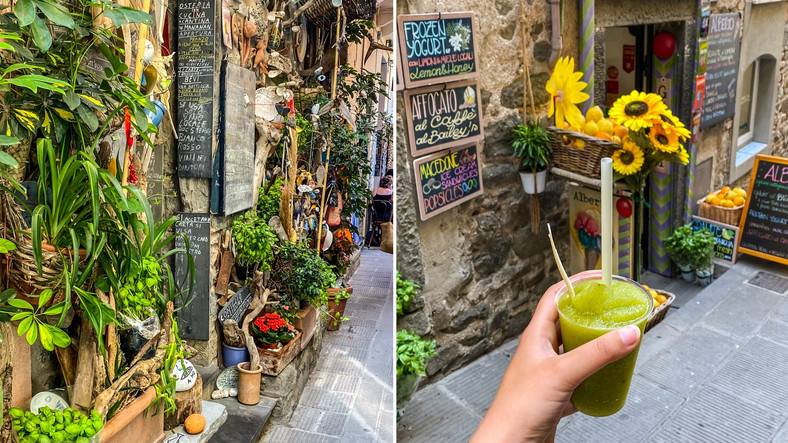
x=437, y=48
x=441, y=117
x=236, y=306
x=725, y=238
x=193, y=320
x=722, y=62
x=447, y=179
x=238, y=139
x=764, y=225
x=195, y=56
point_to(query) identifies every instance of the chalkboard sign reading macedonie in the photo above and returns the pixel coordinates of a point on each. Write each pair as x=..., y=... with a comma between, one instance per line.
x=764, y=225
x=722, y=62
x=437, y=48
x=447, y=179
x=238, y=140
x=440, y=117
x=195, y=55
x=193, y=320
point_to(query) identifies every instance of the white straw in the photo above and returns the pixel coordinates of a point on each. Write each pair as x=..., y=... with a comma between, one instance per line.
x=560, y=266
x=607, y=220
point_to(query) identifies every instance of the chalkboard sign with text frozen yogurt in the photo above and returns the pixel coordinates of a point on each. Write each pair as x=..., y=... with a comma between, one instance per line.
x=440, y=117
x=437, y=48
x=447, y=179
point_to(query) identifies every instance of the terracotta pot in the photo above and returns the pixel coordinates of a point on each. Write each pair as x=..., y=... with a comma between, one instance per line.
x=249, y=384
x=335, y=306
x=268, y=345
x=132, y=420
x=47, y=247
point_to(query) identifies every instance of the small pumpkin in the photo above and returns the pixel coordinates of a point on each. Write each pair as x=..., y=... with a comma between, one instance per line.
x=194, y=423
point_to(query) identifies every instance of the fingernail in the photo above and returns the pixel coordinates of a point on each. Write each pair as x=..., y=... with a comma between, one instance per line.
x=629, y=334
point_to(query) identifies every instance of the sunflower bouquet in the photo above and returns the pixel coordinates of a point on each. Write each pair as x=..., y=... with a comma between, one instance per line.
x=655, y=136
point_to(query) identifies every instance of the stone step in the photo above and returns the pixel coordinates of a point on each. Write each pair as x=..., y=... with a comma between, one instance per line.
x=244, y=423
x=215, y=415
x=209, y=375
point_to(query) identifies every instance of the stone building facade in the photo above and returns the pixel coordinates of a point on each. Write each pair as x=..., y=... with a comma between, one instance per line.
x=481, y=269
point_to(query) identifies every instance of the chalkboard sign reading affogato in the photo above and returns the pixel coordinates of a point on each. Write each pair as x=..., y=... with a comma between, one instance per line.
x=447, y=179
x=722, y=61
x=437, y=48
x=441, y=117
x=195, y=53
x=193, y=320
x=764, y=224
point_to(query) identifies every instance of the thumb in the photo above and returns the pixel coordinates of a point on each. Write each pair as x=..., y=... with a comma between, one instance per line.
x=578, y=364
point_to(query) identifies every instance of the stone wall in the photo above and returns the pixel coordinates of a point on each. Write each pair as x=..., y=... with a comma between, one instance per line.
x=481, y=269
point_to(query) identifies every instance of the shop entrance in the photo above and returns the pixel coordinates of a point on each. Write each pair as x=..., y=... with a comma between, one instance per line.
x=650, y=58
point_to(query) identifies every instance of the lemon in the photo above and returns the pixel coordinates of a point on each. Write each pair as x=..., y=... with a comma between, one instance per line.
x=590, y=128
x=595, y=114
x=606, y=126
x=580, y=144
x=740, y=191
x=615, y=139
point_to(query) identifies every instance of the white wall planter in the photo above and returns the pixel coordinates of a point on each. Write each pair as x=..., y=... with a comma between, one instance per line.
x=528, y=181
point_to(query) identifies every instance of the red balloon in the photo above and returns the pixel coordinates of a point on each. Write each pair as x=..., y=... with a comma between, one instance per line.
x=664, y=45
x=624, y=207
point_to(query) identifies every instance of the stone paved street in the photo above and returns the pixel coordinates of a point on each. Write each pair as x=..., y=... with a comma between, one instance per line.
x=350, y=395
x=713, y=370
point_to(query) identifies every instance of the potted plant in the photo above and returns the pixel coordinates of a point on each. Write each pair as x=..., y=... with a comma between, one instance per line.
x=680, y=246
x=301, y=275
x=703, y=256
x=271, y=330
x=406, y=292
x=337, y=299
x=253, y=240
x=412, y=354
x=531, y=144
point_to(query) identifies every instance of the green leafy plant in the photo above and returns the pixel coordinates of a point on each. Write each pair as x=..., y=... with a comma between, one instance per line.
x=53, y=425
x=531, y=144
x=301, y=275
x=33, y=325
x=357, y=30
x=253, y=240
x=703, y=251
x=412, y=353
x=165, y=388
x=137, y=298
x=268, y=201
x=680, y=245
x=406, y=292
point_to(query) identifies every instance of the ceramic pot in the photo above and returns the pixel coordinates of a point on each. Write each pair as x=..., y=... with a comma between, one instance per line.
x=528, y=181
x=687, y=273
x=231, y=355
x=249, y=384
x=705, y=276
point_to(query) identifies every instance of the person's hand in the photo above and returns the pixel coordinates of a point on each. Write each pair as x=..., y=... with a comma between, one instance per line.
x=538, y=383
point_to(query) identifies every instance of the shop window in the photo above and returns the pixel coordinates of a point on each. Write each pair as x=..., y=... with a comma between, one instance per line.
x=756, y=103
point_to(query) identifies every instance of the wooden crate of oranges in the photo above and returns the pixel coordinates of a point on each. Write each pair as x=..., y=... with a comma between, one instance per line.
x=662, y=301
x=724, y=206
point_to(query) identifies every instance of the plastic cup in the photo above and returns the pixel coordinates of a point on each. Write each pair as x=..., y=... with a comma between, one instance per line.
x=605, y=392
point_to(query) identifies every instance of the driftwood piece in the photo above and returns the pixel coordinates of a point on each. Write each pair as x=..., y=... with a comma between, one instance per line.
x=145, y=348
x=186, y=403
x=233, y=336
x=141, y=375
x=267, y=139
x=67, y=357
x=223, y=280
x=286, y=203
x=298, y=13
x=82, y=392
x=259, y=298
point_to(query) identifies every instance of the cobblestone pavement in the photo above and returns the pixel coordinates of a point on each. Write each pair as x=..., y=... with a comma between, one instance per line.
x=714, y=370
x=350, y=396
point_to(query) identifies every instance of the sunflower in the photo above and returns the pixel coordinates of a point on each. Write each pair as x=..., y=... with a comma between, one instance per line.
x=629, y=159
x=672, y=125
x=667, y=142
x=566, y=90
x=683, y=156
x=637, y=110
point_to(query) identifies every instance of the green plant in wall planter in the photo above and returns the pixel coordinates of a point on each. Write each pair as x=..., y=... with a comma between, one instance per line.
x=531, y=145
x=253, y=240
x=412, y=354
x=406, y=292
x=703, y=256
x=680, y=246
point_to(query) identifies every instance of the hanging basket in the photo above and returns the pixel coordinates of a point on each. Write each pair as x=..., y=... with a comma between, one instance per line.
x=322, y=13
x=22, y=271
x=583, y=161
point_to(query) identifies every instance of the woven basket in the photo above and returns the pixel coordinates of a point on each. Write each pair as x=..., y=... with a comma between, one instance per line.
x=729, y=216
x=659, y=312
x=22, y=271
x=583, y=161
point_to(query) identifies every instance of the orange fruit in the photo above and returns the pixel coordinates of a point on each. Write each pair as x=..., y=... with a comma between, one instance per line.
x=716, y=200
x=738, y=201
x=725, y=189
x=710, y=197
x=194, y=423
x=661, y=299
x=615, y=139
x=727, y=203
x=603, y=135
x=621, y=131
